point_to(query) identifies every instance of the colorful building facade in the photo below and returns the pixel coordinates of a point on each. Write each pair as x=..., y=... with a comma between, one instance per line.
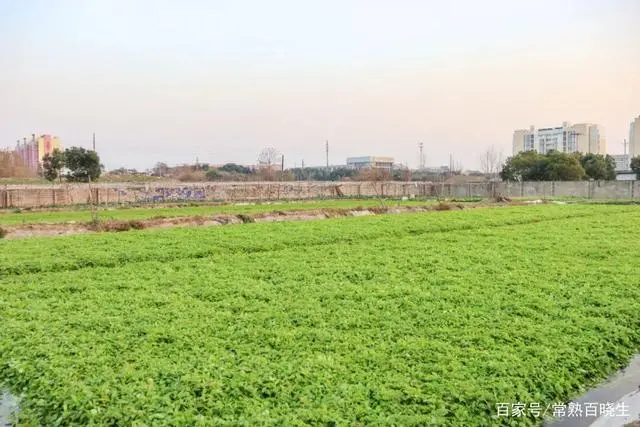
x=33, y=151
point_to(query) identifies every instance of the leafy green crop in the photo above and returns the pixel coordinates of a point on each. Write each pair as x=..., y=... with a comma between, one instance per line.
x=77, y=252
x=422, y=319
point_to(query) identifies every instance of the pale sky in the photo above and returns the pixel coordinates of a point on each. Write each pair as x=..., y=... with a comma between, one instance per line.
x=221, y=79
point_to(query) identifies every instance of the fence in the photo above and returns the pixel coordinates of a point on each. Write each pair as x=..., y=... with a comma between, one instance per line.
x=118, y=193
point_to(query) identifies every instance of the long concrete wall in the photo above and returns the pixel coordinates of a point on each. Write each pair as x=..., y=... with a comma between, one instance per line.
x=70, y=194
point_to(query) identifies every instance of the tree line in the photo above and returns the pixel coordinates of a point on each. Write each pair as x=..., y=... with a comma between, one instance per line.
x=75, y=164
x=558, y=166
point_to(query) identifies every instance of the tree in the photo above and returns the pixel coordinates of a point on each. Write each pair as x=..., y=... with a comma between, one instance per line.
x=491, y=161
x=403, y=174
x=12, y=165
x=611, y=168
x=598, y=167
x=213, y=175
x=338, y=174
x=201, y=167
x=52, y=165
x=160, y=169
x=235, y=168
x=524, y=166
x=563, y=167
x=553, y=166
x=377, y=177
x=635, y=166
x=83, y=165
x=267, y=163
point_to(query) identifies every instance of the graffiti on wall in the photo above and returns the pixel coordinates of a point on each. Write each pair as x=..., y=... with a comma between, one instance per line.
x=162, y=194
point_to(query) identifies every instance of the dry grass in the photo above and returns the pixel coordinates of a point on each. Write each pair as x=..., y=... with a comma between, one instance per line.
x=117, y=225
x=246, y=218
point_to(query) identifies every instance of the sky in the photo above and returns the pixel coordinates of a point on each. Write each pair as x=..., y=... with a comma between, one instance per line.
x=219, y=80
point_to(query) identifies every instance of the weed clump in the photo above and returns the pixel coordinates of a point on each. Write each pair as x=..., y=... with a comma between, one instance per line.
x=116, y=225
x=246, y=218
x=443, y=207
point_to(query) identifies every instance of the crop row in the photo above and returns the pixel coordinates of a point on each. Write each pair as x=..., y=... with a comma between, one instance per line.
x=396, y=330
x=83, y=251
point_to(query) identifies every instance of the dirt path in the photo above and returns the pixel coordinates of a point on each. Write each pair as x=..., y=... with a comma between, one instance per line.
x=21, y=231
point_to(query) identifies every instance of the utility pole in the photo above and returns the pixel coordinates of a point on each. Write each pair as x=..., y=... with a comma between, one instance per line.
x=282, y=164
x=94, y=141
x=302, y=163
x=625, y=143
x=421, y=165
x=326, y=147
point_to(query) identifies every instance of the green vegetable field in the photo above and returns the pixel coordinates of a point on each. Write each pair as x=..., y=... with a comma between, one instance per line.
x=410, y=319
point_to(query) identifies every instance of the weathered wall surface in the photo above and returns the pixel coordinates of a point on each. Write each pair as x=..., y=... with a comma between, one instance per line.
x=33, y=196
x=70, y=194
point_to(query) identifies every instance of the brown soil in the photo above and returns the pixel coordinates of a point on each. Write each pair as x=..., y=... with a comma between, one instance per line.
x=20, y=231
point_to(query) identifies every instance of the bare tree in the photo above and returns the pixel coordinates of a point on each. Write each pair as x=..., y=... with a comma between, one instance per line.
x=268, y=163
x=491, y=161
x=160, y=169
x=377, y=177
x=12, y=165
x=406, y=174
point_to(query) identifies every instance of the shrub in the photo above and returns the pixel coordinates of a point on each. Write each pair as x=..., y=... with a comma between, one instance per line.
x=191, y=176
x=213, y=175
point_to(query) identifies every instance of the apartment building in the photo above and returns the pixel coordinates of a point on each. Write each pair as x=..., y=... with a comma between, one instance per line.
x=568, y=138
x=32, y=152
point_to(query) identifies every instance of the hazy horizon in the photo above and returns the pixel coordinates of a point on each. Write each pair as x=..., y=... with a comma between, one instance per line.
x=172, y=81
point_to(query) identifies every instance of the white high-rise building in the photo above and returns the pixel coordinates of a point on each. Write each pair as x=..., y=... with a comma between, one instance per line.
x=582, y=137
x=634, y=138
